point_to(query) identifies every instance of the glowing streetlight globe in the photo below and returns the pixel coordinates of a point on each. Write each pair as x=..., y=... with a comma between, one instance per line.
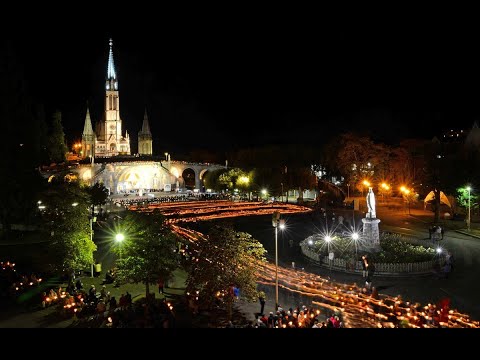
x=439, y=250
x=119, y=237
x=328, y=238
x=355, y=236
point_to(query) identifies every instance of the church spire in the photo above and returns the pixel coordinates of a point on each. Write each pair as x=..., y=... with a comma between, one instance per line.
x=111, y=74
x=145, y=127
x=145, y=138
x=87, y=128
x=88, y=137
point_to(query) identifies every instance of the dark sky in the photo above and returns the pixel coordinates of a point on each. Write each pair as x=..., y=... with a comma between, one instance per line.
x=225, y=89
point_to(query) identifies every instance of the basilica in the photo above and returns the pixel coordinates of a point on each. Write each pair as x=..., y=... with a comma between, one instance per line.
x=108, y=139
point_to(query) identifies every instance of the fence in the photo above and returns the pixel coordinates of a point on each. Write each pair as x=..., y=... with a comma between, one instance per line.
x=400, y=269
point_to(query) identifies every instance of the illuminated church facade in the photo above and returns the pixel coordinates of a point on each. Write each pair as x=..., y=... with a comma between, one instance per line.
x=108, y=139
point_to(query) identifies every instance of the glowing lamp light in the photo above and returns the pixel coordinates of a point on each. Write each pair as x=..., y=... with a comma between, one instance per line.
x=264, y=192
x=355, y=236
x=328, y=238
x=439, y=250
x=75, y=204
x=243, y=180
x=119, y=237
x=310, y=242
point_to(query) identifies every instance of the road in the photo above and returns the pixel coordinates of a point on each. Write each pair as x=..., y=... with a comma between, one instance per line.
x=461, y=286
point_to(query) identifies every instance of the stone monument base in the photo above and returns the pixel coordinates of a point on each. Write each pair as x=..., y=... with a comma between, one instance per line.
x=371, y=236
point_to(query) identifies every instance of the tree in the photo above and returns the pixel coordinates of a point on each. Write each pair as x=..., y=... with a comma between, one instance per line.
x=65, y=213
x=439, y=172
x=354, y=156
x=463, y=198
x=225, y=259
x=211, y=179
x=98, y=195
x=148, y=251
x=56, y=142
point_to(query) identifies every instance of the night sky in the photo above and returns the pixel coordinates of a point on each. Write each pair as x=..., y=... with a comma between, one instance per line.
x=221, y=91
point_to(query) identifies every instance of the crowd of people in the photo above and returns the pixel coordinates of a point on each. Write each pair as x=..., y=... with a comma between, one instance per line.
x=300, y=317
x=95, y=308
x=171, y=199
x=14, y=283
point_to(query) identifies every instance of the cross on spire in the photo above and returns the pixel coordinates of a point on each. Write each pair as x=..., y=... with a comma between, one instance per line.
x=111, y=74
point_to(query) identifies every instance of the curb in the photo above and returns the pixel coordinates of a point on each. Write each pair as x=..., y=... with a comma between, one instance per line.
x=467, y=233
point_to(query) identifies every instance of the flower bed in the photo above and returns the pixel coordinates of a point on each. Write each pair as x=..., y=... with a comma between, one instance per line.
x=397, y=256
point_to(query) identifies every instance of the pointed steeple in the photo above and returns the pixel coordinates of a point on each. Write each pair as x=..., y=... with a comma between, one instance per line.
x=87, y=128
x=145, y=126
x=88, y=137
x=111, y=73
x=145, y=137
x=473, y=138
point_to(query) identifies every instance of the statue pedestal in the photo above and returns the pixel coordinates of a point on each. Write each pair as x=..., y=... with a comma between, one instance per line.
x=371, y=236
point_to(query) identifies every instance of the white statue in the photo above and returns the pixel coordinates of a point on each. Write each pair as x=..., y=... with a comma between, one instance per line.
x=371, y=204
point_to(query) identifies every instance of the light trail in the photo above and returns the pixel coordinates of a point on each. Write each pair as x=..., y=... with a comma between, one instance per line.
x=358, y=308
x=211, y=210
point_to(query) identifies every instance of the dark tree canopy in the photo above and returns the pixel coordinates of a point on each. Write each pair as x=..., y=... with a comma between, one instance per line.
x=57, y=148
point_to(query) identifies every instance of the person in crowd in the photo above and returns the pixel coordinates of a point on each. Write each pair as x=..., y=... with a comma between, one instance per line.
x=92, y=293
x=103, y=292
x=364, y=265
x=79, y=284
x=261, y=298
x=160, y=285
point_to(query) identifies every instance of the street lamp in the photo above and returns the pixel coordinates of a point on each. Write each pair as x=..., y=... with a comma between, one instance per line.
x=355, y=238
x=365, y=183
x=264, y=193
x=277, y=223
x=385, y=187
x=328, y=239
x=348, y=191
x=469, y=218
x=119, y=238
x=406, y=194
x=91, y=219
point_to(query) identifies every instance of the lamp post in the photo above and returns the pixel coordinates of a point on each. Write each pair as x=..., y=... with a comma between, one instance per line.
x=469, y=218
x=92, y=219
x=328, y=239
x=355, y=238
x=119, y=238
x=277, y=223
x=348, y=191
